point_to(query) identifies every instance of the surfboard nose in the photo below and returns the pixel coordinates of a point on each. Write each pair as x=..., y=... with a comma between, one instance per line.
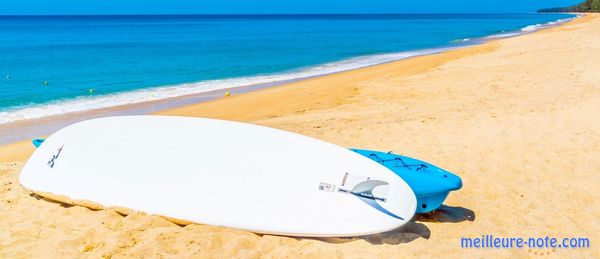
x=450, y=182
x=455, y=183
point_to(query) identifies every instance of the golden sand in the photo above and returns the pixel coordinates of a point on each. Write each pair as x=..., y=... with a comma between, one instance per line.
x=518, y=119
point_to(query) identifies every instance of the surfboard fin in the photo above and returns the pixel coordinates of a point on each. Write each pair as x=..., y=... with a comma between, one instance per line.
x=365, y=189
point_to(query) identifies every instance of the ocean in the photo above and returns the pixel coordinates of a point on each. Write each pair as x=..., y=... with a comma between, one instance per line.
x=52, y=65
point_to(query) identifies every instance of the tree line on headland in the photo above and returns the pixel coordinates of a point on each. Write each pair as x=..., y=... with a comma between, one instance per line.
x=587, y=6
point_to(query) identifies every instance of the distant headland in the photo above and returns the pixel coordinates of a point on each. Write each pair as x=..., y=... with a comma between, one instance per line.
x=588, y=6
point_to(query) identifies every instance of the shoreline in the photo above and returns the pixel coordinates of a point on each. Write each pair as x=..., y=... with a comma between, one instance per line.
x=514, y=118
x=23, y=129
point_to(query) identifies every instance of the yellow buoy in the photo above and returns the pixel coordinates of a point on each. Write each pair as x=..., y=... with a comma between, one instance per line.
x=45, y=82
x=91, y=90
x=227, y=93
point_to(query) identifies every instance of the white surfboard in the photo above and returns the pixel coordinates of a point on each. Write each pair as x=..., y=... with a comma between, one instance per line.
x=221, y=173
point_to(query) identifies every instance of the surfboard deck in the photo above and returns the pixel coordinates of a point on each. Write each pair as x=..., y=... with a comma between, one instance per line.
x=431, y=184
x=221, y=173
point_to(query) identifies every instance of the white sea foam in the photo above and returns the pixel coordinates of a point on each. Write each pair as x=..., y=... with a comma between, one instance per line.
x=503, y=35
x=532, y=27
x=540, y=26
x=528, y=29
x=152, y=94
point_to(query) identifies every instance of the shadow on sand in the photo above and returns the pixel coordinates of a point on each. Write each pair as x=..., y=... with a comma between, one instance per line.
x=407, y=233
x=62, y=204
x=413, y=230
x=447, y=214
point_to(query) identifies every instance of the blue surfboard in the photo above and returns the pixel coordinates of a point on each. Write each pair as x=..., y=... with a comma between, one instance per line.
x=430, y=183
x=37, y=142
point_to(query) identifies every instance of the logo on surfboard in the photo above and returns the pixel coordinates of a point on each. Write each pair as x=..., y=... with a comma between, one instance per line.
x=55, y=156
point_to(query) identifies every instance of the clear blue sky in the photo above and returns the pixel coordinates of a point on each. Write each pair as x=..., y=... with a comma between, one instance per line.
x=273, y=6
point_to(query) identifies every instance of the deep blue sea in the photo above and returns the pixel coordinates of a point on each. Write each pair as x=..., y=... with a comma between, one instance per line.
x=57, y=64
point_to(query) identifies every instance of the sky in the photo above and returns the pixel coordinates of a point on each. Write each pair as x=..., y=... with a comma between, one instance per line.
x=74, y=7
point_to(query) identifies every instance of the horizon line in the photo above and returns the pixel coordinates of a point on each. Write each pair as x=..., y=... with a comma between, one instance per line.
x=265, y=14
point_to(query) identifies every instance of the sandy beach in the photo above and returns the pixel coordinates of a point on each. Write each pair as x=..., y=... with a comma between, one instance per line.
x=518, y=119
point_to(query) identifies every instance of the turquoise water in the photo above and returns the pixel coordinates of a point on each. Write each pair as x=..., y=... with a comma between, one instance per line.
x=50, y=64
